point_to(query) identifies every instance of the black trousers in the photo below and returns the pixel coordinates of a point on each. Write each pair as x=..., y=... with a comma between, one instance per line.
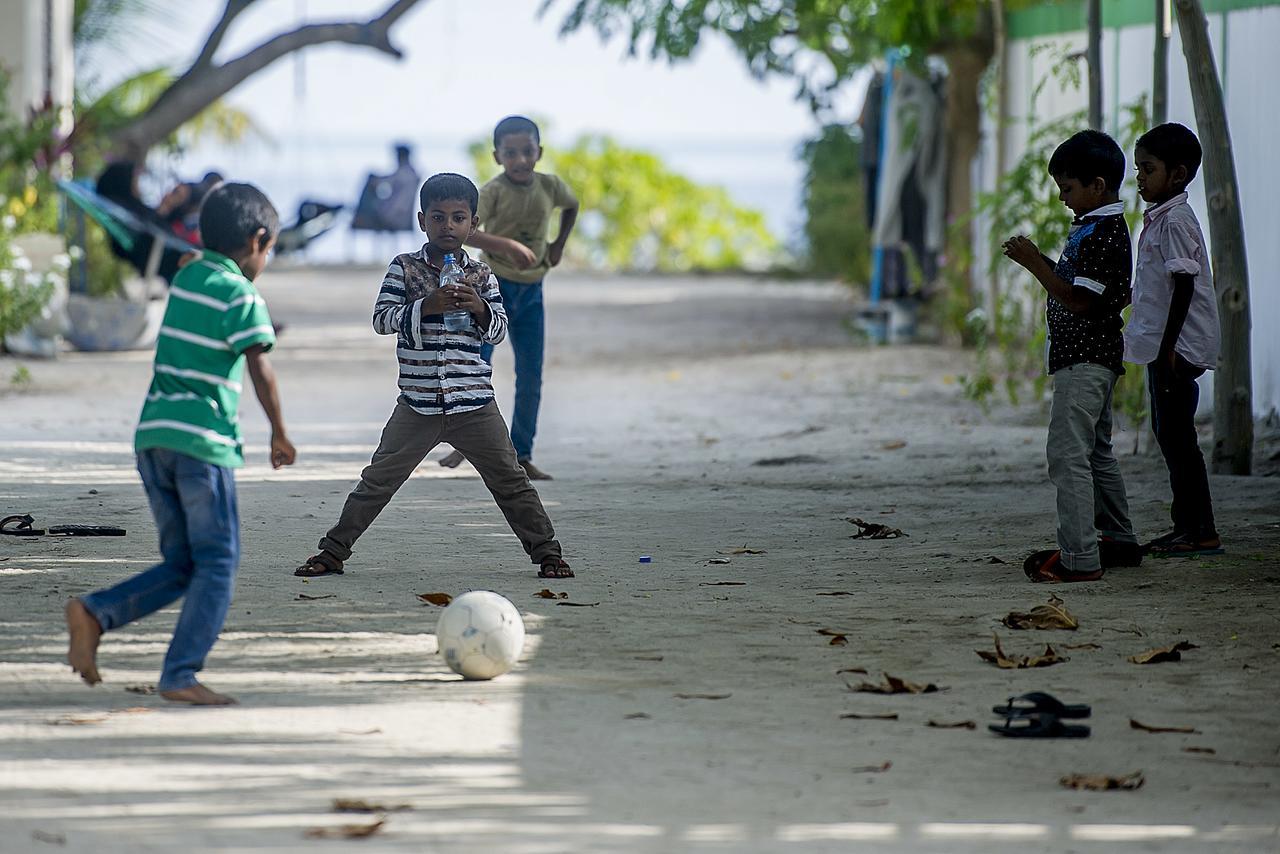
x=1174, y=396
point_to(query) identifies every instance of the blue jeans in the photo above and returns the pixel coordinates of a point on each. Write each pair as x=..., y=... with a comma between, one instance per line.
x=194, y=505
x=526, y=328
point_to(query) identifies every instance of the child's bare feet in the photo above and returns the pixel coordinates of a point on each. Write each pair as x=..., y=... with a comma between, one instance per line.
x=199, y=695
x=85, y=633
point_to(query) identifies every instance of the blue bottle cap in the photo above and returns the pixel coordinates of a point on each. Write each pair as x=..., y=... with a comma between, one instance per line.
x=646, y=559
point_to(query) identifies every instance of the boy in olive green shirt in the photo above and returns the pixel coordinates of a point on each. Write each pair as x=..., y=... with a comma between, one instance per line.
x=515, y=212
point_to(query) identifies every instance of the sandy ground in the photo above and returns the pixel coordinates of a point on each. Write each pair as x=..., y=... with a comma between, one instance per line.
x=661, y=396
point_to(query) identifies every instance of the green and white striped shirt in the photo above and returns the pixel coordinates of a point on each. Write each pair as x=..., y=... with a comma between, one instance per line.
x=214, y=315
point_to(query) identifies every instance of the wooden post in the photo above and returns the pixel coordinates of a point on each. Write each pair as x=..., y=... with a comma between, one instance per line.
x=1160, y=73
x=1093, y=56
x=1233, y=382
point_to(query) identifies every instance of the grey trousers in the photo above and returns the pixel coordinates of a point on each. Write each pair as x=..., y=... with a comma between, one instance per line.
x=479, y=435
x=1083, y=467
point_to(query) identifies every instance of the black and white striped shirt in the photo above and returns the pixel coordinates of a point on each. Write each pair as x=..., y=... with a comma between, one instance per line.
x=441, y=372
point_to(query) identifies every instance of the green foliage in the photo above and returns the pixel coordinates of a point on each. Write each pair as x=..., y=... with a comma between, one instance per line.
x=835, y=205
x=639, y=214
x=820, y=43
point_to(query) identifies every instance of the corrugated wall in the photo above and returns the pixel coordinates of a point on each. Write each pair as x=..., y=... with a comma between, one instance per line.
x=1246, y=39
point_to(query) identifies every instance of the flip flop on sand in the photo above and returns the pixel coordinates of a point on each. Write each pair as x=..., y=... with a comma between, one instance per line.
x=1047, y=566
x=1185, y=545
x=21, y=526
x=319, y=565
x=1038, y=726
x=1040, y=703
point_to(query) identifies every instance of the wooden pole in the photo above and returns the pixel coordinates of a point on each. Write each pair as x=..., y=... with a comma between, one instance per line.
x=1093, y=56
x=1160, y=73
x=1233, y=382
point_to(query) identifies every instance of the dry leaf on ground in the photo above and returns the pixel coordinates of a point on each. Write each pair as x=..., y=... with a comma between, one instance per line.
x=793, y=460
x=894, y=685
x=357, y=805
x=861, y=670
x=702, y=696
x=854, y=716
x=346, y=831
x=873, y=769
x=743, y=550
x=67, y=720
x=1082, y=646
x=717, y=561
x=304, y=597
x=896, y=444
x=1148, y=728
x=544, y=593
x=1207, y=750
x=578, y=604
x=1103, y=782
x=874, y=530
x=953, y=724
x=437, y=599
x=140, y=689
x=1019, y=662
x=836, y=593
x=837, y=638
x=647, y=657
x=1163, y=653
x=722, y=583
x=637, y=716
x=1051, y=615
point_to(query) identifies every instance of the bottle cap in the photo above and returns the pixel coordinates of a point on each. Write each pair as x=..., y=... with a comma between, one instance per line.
x=646, y=559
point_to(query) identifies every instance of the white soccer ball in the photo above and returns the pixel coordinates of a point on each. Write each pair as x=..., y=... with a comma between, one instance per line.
x=480, y=635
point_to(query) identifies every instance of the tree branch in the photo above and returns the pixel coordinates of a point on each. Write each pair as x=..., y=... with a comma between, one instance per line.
x=204, y=83
x=229, y=14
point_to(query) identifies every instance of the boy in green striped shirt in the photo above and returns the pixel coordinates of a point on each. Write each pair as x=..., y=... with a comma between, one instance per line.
x=188, y=443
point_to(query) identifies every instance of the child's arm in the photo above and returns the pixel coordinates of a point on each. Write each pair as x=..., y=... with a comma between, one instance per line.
x=513, y=250
x=1077, y=300
x=264, y=384
x=1184, y=286
x=568, y=216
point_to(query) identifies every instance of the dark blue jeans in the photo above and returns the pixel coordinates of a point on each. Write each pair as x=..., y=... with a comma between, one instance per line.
x=194, y=505
x=1175, y=396
x=526, y=329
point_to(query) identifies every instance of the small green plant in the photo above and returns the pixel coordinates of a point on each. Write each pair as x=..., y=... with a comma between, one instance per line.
x=21, y=377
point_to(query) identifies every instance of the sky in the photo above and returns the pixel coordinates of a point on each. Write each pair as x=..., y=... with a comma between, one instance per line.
x=467, y=64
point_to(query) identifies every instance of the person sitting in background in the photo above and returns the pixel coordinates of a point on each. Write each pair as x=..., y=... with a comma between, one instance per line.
x=119, y=183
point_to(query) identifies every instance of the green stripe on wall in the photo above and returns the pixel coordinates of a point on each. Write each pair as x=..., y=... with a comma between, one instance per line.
x=1065, y=16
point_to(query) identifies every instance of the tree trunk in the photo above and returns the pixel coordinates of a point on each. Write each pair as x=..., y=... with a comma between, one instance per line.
x=1160, y=71
x=965, y=65
x=1233, y=383
x=1093, y=55
x=203, y=83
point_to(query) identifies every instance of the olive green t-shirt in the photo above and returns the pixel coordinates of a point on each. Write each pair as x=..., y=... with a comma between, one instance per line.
x=523, y=213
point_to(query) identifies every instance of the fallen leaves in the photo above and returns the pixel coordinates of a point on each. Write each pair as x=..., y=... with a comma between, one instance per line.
x=140, y=689
x=835, y=593
x=894, y=445
x=1206, y=750
x=854, y=716
x=717, y=561
x=304, y=597
x=544, y=593
x=1103, y=782
x=894, y=685
x=952, y=724
x=578, y=604
x=702, y=696
x=743, y=550
x=1082, y=646
x=1018, y=662
x=873, y=530
x=1052, y=615
x=873, y=769
x=356, y=805
x=1163, y=653
x=793, y=460
x=861, y=670
x=837, y=638
x=1187, y=730
x=437, y=599
x=722, y=583
x=346, y=831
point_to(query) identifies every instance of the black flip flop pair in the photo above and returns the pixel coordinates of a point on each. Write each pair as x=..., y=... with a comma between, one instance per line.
x=1039, y=715
x=23, y=526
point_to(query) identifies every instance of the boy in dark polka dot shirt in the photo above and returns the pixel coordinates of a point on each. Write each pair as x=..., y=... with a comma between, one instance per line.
x=1087, y=289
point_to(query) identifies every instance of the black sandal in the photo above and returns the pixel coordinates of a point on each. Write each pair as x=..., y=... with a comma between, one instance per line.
x=1038, y=726
x=554, y=567
x=1040, y=703
x=21, y=526
x=327, y=563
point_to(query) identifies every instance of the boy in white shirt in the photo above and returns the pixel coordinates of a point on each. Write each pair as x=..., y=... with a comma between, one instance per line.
x=1173, y=329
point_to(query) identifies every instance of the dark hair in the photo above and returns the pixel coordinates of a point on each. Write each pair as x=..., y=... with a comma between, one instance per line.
x=232, y=214
x=1173, y=145
x=1087, y=155
x=448, y=186
x=515, y=124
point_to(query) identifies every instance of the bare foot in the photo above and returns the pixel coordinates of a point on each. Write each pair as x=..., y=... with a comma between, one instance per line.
x=85, y=633
x=198, y=695
x=533, y=472
x=452, y=460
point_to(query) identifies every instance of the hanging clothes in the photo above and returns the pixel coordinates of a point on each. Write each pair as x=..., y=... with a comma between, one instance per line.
x=912, y=169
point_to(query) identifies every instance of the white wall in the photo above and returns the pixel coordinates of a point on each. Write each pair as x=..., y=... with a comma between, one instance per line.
x=1245, y=48
x=35, y=50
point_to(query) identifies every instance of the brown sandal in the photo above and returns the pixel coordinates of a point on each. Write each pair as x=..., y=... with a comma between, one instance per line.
x=554, y=567
x=319, y=565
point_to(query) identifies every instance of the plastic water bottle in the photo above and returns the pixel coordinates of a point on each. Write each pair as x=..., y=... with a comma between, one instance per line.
x=451, y=274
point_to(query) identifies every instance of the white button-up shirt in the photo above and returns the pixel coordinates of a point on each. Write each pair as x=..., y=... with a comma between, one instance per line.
x=1172, y=242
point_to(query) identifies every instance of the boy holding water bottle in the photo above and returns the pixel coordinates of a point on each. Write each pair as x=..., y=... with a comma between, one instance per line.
x=443, y=306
